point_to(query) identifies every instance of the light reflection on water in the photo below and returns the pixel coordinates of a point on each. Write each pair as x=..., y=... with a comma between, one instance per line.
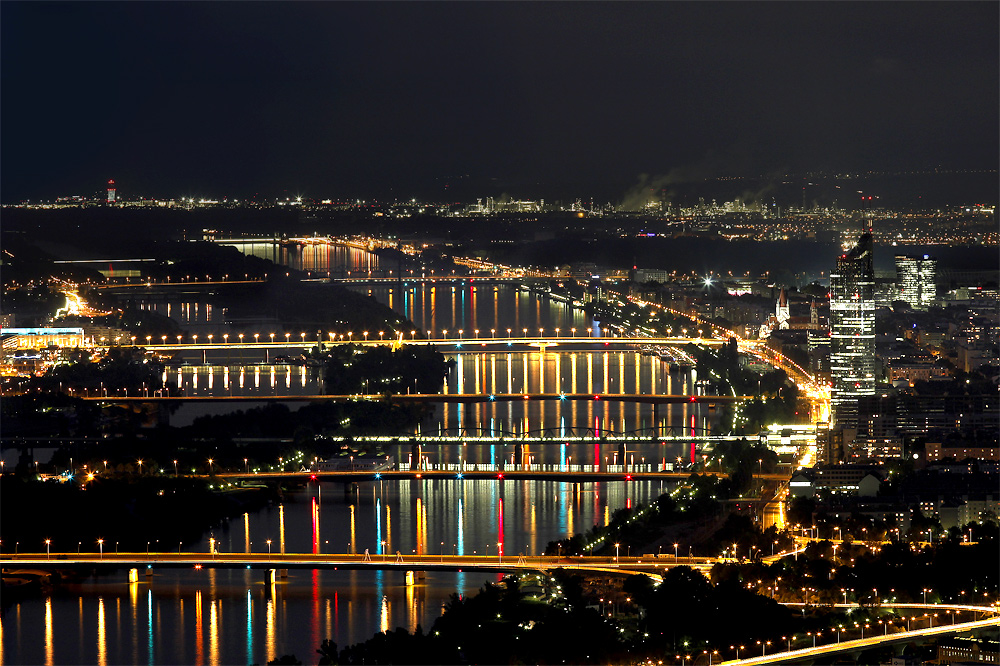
x=238, y=617
x=619, y=372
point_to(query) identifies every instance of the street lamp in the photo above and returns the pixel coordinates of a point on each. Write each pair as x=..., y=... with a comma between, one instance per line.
x=616, y=552
x=100, y=544
x=48, y=552
x=675, y=552
x=269, y=549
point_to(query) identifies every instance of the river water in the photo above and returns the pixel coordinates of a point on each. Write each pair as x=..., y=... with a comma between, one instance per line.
x=232, y=616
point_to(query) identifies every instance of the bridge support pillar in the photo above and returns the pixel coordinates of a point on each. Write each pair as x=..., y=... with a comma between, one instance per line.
x=149, y=572
x=269, y=576
x=133, y=575
x=283, y=573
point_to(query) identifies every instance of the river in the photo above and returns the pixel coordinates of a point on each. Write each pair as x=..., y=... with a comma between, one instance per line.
x=233, y=617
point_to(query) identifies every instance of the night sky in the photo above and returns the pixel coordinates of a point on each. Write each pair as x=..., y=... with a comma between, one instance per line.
x=561, y=100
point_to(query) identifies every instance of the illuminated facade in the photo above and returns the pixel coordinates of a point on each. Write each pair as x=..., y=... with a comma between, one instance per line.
x=852, y=331
x=916, y=280
x=40, y=338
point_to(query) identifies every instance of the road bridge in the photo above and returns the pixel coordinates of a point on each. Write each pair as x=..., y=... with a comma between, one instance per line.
x=474, y=471
x=456, y=342
x=460, y=398
x=504, y=563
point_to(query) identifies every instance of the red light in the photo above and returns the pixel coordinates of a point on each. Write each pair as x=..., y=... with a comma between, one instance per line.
x=694, y=399
x=313, y=477
x=197, y=566
x=628, y=477
x=597, y=397
x=499, y=476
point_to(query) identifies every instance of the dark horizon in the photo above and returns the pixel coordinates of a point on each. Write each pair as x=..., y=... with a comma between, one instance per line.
x=441, y=101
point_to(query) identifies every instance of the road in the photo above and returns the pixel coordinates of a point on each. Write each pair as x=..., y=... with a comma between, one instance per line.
x=806, y=654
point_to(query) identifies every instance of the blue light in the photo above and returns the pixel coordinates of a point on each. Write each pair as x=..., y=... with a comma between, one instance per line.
x=460, y=476
x=378, y=475
x=562, y=396
x=492, y=398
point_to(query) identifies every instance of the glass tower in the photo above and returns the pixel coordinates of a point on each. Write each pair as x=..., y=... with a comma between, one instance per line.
x=916, y=280
x=852, y=331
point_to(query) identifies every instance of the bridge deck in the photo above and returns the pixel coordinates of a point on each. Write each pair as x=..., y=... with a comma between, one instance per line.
x=644, y=398
x=390, y=561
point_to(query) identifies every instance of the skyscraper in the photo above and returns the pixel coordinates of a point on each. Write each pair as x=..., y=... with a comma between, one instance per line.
x=111, y=191
x=916, y=280
x=852, y=331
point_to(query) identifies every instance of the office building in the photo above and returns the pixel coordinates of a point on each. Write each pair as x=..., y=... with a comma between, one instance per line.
x=852, y=331
x=916, y=280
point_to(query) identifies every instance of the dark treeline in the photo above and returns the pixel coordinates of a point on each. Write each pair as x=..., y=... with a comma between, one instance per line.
x=699, y=502
x=123, y=509
x=776, y=395
x=407, y=369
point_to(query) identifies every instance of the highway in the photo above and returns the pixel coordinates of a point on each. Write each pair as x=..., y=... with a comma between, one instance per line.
x=858, y=644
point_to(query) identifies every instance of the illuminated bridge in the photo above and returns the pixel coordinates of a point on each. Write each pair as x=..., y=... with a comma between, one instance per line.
x=505, y=563
x=264, y=341
x=474, y=471
x=461, y=398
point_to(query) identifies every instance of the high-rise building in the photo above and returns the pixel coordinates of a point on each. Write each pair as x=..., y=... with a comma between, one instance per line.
x=916, y=280
x=111, y=191
x=852, y=331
